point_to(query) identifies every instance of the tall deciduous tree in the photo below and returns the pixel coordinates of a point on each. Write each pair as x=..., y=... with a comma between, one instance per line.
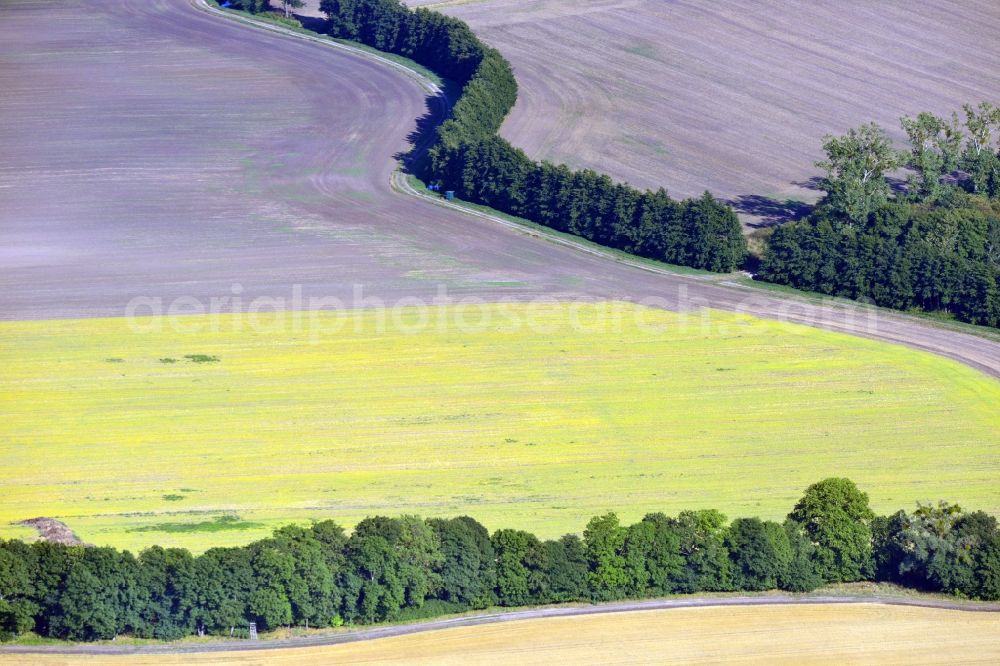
x=17, y=611
x=88, y=610
x=980, y=159
x=760, y=553
x=935, y=146
x=521, y=564
x=702, y=544
x=653, y=556
x=856, y=165
x=836, y=517
x=604, y=539
x=468, y=572
x=800, y=575
x=566, y=569
x=374, y=586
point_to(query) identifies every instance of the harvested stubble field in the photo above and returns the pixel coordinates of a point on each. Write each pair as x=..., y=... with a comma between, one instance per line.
x=814, y=634
x=732, y=96
x=536, y=417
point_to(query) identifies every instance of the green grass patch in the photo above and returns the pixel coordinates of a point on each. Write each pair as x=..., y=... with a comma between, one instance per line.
x=202, y=358
x=220, y=524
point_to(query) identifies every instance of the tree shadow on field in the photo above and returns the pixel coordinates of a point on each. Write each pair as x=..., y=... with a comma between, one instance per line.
x=415, y=160
x=769, y=212
x=815, y=183
x=314, y=23
x=899, y=186
x=437, y=107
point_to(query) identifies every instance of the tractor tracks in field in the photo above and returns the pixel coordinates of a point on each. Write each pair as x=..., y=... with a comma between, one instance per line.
x=634, y=279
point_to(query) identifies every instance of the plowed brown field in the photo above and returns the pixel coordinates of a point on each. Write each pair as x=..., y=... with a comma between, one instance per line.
x=152, y=150
x=730, y=95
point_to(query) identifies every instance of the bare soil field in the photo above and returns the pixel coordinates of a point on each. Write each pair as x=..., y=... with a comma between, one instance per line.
x=53, y=531
x=732, y=96
x=152, y=150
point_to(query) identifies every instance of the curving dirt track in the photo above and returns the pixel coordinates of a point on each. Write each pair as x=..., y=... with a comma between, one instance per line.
x=153, y=150
x=732, y=96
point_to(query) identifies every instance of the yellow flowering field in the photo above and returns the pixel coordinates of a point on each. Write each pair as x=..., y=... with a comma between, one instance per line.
x=212, y=430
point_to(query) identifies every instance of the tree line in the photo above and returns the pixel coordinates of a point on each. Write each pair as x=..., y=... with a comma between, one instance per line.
x=406, y=568
x=932, y=245
x=470, y=158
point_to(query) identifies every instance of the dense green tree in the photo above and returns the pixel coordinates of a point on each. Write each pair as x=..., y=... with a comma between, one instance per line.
x=317, y=575
x=52, y=563
x=468, y=572
x=223, y=585
x=311, y=588
x=760, y=552
x=906, y=256
x=855, y=165
x=275, y=582
x=939, y=548
x=707, y=566
x=987, y=567
x=888, y=549
x=88, y=612
x=604, y=540
x=374, y=587
x=801, y=574
x=252, y=6
x=17, y=609
x=652, y=553
x=521, y=566
x=935, y=146
x=714, y=238
x=970, y=571
x=836, y=517
x=418, y=547
x=168, y=591
x=566, y=569
x=979, y=159
x=16, y=617
x=331, y=535
x=270, y=607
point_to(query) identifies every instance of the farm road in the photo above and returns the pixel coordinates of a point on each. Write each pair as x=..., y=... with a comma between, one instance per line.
x=155, y=150
x=478, y=620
